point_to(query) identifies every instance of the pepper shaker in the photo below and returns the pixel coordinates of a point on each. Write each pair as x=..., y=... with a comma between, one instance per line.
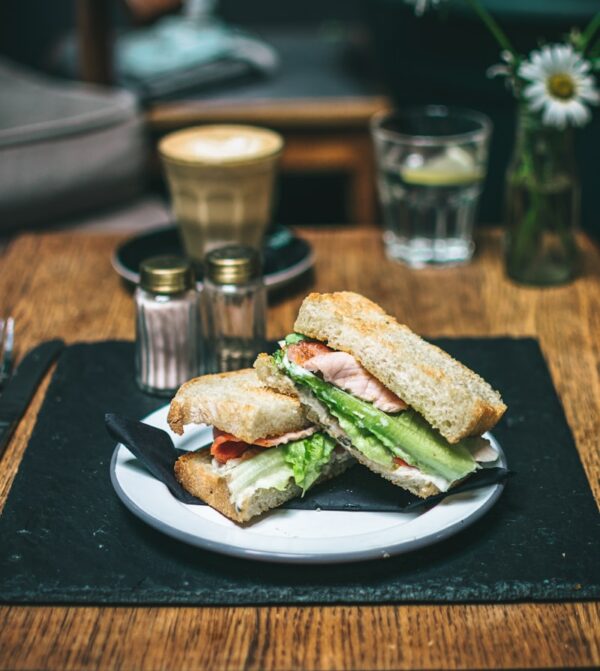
x=235, y=307
x=167, y=325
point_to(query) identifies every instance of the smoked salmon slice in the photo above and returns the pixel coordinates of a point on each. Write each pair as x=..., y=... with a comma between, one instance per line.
x=344, y=371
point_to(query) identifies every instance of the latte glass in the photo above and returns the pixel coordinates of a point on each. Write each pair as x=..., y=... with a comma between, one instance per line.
x=221, y=183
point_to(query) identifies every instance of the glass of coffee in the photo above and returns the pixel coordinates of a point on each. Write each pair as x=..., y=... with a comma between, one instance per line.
x=221, y=183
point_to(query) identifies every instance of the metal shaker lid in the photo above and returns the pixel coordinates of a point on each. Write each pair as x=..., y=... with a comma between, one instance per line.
x=233, y=265
x=166, y=274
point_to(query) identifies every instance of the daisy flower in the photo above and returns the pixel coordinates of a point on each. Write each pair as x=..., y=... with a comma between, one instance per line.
x=560, y=85
x=422, y=6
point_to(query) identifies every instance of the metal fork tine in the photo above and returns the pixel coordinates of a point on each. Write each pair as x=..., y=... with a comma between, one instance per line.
x=8, y=341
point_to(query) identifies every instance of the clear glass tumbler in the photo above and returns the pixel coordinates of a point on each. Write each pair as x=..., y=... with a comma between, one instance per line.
x=431, y=164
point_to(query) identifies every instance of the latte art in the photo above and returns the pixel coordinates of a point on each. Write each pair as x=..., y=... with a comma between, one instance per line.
x=221, y=145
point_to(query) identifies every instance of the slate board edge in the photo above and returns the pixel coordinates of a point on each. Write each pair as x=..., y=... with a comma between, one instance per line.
x=522, y=593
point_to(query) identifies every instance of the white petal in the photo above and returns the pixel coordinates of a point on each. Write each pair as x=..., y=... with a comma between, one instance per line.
x=537, y=103
x=531, y=71
x=564, y=55
x=587, y=91
x=559, y=60
x=577, y=113
x=538, y=58
x=554, y=115
x=498, y=70
x=583, y=67
x=535, y=89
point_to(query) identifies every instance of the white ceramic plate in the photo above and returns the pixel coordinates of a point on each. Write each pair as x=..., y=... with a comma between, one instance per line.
x=290, y=535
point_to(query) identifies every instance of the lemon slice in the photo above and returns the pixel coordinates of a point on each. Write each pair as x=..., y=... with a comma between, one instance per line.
x=454, y=167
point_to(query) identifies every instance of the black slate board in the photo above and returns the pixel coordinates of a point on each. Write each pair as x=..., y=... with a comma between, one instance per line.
x=65, y=537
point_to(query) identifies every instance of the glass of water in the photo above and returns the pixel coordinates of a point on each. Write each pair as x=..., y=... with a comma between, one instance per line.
x=431, y=164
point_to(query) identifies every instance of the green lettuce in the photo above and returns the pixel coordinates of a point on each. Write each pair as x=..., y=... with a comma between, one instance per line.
x=308, y=457
x=294, y=338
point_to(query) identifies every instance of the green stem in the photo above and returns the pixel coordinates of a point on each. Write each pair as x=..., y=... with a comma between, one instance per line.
x=524, y=239
x=539, y=203
x=561, y=216
x=492, y=25
x=589, y=32
x=525, y=234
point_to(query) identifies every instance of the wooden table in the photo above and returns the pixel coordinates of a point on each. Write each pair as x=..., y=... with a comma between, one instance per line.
x=63, y=285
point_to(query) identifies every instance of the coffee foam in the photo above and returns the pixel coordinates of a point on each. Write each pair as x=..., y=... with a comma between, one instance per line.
x=221, y=144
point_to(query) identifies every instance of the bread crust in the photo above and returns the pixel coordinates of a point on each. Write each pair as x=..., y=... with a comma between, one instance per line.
x=238, y=403
x=451, y=397
x=196, y=474
x=270, y=375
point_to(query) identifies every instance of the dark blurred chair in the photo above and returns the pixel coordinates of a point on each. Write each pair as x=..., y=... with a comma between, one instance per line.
x=65, y=148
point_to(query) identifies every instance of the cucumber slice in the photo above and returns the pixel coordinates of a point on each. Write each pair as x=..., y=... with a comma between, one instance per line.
x=407, y=435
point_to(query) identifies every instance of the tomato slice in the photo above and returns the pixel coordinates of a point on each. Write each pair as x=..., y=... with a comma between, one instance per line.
x=304, y=350
x=401, y=462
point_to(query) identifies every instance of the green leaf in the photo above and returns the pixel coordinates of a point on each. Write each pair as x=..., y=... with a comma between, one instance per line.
x=293, y=338
x=308, y=457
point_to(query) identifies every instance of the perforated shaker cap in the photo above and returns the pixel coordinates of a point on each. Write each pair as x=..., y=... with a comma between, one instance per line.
x=234, y=264
x=166, y=274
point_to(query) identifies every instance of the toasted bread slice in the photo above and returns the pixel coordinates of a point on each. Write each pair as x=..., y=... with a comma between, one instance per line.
x=198, y=475
x=238, y=403
x=451, y=397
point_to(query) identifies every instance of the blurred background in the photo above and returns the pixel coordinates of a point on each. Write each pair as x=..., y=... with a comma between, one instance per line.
x=315, y=71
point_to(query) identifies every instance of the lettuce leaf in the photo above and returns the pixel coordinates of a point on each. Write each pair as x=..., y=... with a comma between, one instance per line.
x=308, y=457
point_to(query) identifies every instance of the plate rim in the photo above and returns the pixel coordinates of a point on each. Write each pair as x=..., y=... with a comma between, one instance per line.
x=272, y=280
x=370, y=553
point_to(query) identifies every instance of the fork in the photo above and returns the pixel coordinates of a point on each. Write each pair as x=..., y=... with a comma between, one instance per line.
x=7, y=341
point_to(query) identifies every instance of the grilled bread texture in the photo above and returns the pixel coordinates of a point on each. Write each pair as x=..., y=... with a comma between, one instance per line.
x=451, y=397
x=199, y=476
x=238, y=403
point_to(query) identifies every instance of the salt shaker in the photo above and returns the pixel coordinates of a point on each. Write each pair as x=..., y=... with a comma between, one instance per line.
x=234, y=299
x=167, y=325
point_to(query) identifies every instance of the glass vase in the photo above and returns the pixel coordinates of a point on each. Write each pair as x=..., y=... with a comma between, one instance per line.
x=542, y=205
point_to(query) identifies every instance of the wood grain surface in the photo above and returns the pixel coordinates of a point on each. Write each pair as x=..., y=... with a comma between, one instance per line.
x=322, y=113
x=63, y=285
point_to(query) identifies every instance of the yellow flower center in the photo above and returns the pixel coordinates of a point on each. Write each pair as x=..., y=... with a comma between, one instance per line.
x=561, y=85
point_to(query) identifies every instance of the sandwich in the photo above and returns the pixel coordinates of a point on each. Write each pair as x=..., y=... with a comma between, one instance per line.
x=264, y=449
x=401, y=406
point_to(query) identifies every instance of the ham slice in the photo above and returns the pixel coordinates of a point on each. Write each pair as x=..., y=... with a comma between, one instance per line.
x=344, y=371
x=226, y=446
x=286, y=438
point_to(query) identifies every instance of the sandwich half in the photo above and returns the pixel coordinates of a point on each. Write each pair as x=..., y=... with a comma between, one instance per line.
x=401, y=406
x=264, y=450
